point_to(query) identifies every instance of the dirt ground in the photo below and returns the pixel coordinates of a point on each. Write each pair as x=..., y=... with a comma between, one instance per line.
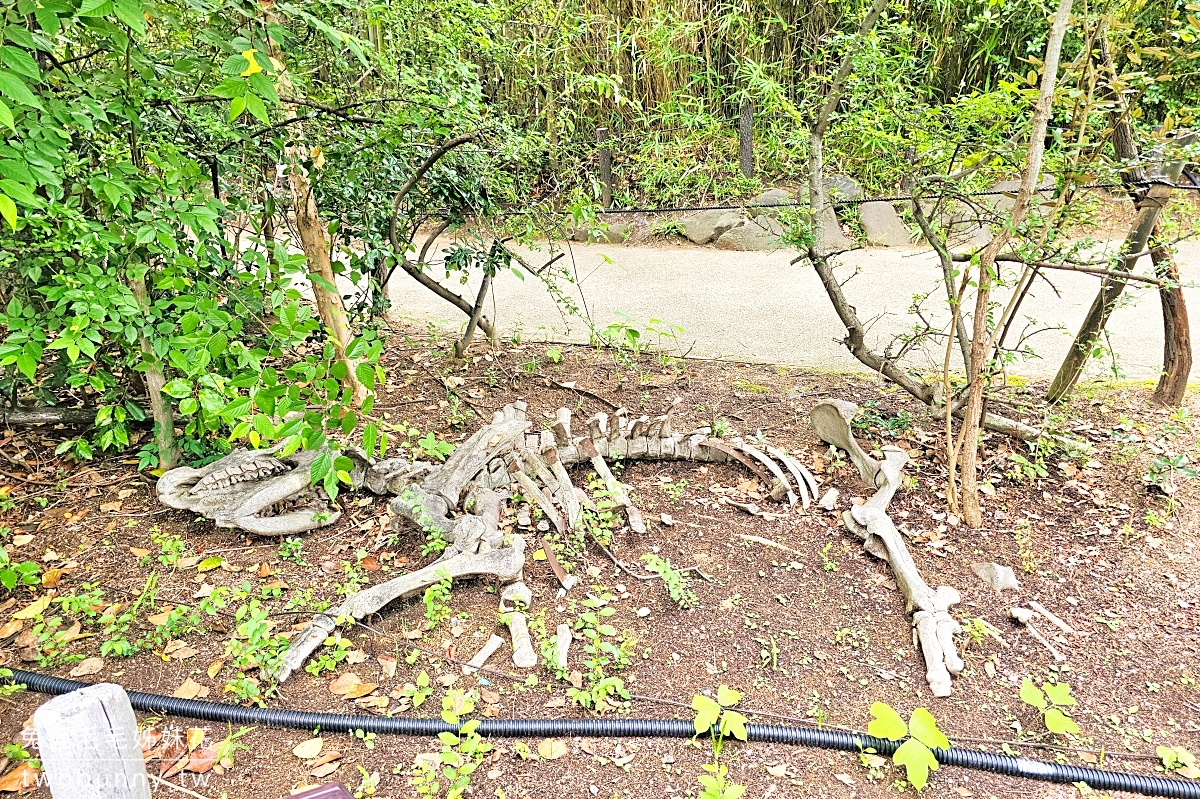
x=808, y=627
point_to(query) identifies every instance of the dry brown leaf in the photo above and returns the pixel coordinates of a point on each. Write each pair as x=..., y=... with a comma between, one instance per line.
x=52, y=577
x=779, y=770
x=491, y=697
x=351, y=686
x=11, y=628
x=190, y=689
x=21, y=540
x=551, y=748
x=386, y=662
x=89, y=666
x=324, y=770
x=21, y=779
x=172, y=760
x=195, y=737
x=356, y=656
x=214, y=668
x=150, y=738
x=111, y=507
x=126, y=493
x=33, y=609
x=280, y=584
x=159, y=619
x=138, y=552
x=328, y=757
x=307, y=750
x=264, y=570
x=202, y=760
x=184, y=652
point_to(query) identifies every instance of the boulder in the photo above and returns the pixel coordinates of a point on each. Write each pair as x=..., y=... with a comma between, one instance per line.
x=707, y=226
x=617, y=233
x=769, y=202
x=842, y=187
x=883, y=225
x=760, y=234
x=832, y=238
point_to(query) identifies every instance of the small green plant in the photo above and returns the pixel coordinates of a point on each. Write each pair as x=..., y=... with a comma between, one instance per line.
x=915, y=754
x=1165, y=469
x=606, y=651
x=433, y=447
x=327, y=659
x=171, y=548
x=253, y=646
x=828, y=563
x=1177, y=760
x=292, y=549
x=436, y=598
x=1051, y=699
x=721, y=427
x=1024, y=470
x=675, y=490
x=14, y=573
x=678, y=583
x=717, y=718
x=419, y=691
x=1023, y=536
x=462, y=752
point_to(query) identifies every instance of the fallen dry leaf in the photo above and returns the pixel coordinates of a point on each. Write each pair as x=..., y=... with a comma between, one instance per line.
x=386, y=662
x=21, y=540
x=214, y=668
x=324, y=770
x=159, y=619
x=138, y=552
x=33, y=609
x=779, y=770
x=12, y=627
x=328, y=757
x=307, y=750
x=111, y=507
x=202, y=760
x=551, y=748
x=52, y=577
x=356, y=656
x=89, y=666
x=195, y=737
x=190, y=689
x=351, y=686
x=21, y=779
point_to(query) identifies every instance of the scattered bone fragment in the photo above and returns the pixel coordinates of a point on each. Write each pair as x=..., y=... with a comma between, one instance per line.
x=481, y=657
x=997, y=576
x=1025, y=616
x=562, y=643
x=828, y=500
x=523, y=654
x=515, y=596
x=1055, y=620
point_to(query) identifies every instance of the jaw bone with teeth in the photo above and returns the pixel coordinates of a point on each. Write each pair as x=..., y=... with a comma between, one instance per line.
x=256, y=491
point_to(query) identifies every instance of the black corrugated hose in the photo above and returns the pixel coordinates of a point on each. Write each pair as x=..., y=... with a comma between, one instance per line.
x=1098, y=779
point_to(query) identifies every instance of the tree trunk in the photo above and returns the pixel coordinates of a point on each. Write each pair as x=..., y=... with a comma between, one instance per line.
x=160, y=406
x=1177, y=339
x=311, y=228
x=978, y=369
x=1110, y=290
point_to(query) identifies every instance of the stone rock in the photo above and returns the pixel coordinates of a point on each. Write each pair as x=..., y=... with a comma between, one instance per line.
x=707, y=226
x=832, y=237
x=883, y=225
x=616, y=234
x=1003, y=203
x=842, y=187
x=997, y=576
x=828, y=500
x=760, y=234
x=769, y=202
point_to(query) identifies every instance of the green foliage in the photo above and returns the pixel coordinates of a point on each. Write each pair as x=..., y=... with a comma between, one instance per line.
x=678, y=583
x=17, y=572
x=921, y=735
x=436, y=599
x=606, y=650
x=461, y=754
x=720, y=721
x=1176, y=759
x=335, y=650
x=1051, y=699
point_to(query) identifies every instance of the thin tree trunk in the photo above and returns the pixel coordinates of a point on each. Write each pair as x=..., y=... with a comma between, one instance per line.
x=1110, y=290
x=978, y=371
x=1177, y=338
x=311, y=228
x=160, y=406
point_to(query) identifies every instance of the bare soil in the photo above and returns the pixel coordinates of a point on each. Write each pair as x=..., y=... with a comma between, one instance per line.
x=810, y=630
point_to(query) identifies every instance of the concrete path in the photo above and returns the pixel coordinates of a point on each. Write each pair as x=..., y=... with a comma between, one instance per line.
x=756, y=307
